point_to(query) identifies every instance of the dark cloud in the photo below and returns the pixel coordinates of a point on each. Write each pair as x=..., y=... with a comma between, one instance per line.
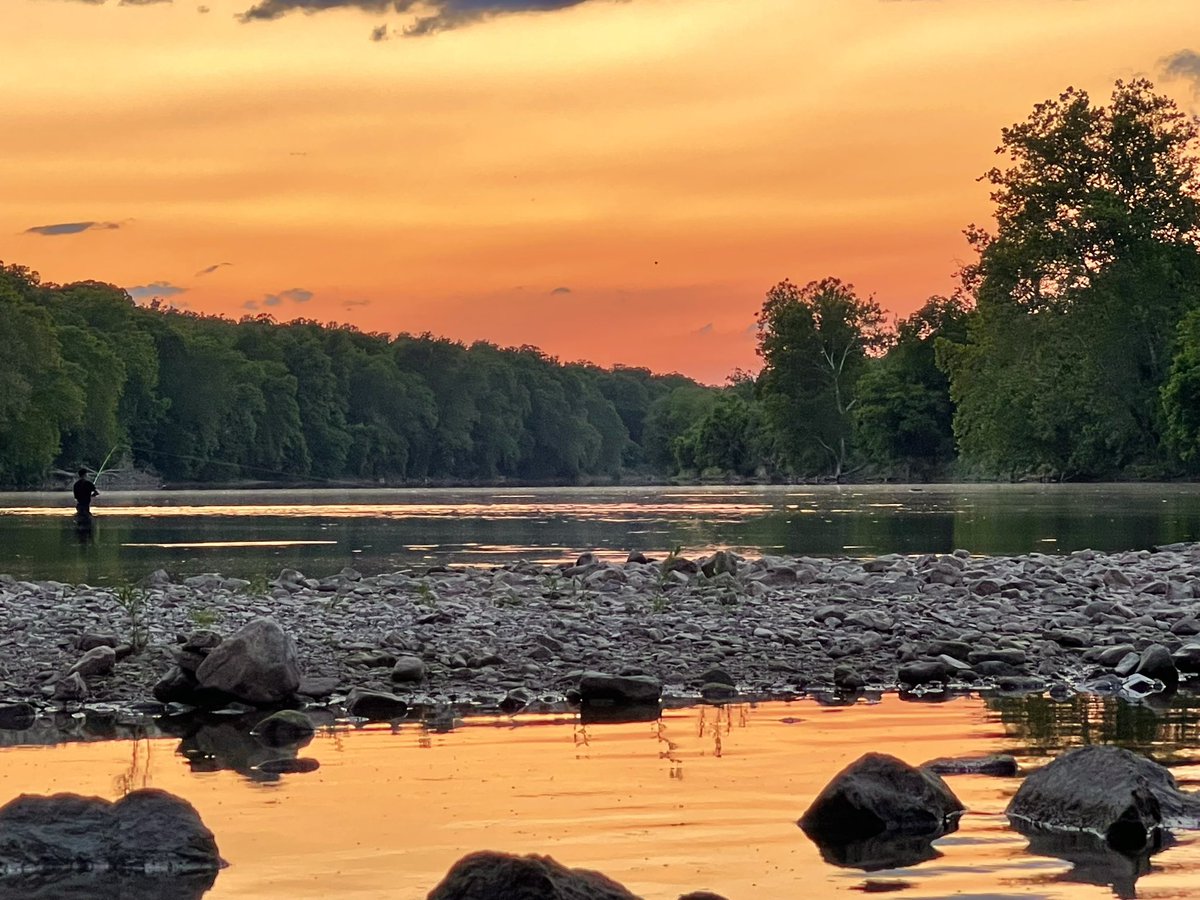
x=705, y=330
x=443, y=15
x=71, y=228
x=560, y=290
x=295, y=295
x=154, y=289
x=1184, y=64
x=141, y=2
x=208, y=270
x=350, y=304
x=379, y=34
x=202, y=9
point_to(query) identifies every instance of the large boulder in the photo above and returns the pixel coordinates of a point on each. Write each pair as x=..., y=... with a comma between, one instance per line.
x=146, y=831
x=1109, y=791
x=378, y=706
x=603, y=689
x=880, y=812
x=257, y=664
x=488, y=875
x=1156, y=662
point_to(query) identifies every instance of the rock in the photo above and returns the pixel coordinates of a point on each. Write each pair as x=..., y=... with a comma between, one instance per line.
x=91, y=639
x=1020, y=684
x=370, y=659
x=879, y=793
x=1187, y=658
x=918, y=673
x=488, y=875
x=718, y=692
x=717, y=675
x=846, y=678
x=71, y=688
x=257, y=665
x=702, y=895
x=177, y=686
x=289, y=766
x=17, y=716
x=285, y=728
x=1156, y=663
x=636, y=556
x=145, y=831
x=99, y=660
x=377, y=706
x=1010, y=657
x=1110, y=656
x=408, y=669
x=1186, y=627
x=316, y=687
x=157, y=579
x=599, y=688
x=1127, y=664
x=1105, y=790
x=720, y=563
x=1000, y=765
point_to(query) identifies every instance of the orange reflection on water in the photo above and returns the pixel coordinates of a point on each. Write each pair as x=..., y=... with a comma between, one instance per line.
x=703, y=798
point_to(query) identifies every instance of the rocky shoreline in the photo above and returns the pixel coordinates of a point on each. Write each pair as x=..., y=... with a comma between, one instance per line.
x=510, y=636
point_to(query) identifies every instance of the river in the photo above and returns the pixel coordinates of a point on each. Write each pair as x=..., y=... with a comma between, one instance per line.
x=256, y=533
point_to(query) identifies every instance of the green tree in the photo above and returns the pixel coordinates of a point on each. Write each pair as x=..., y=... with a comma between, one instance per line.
x=815, y=341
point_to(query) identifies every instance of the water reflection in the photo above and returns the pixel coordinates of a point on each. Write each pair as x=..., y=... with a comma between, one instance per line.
x=1092, y=860
x=94, y=885
x=247, y=533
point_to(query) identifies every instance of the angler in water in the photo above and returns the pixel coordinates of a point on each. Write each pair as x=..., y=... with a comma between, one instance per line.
x=84, y=491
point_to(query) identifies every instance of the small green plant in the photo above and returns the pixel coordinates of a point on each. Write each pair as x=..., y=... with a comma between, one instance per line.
x=551, y=584
x=134, y=601
x=511, y=599
x=258, y=586
x=667, y=566
x=204, y=616
x=425, y=595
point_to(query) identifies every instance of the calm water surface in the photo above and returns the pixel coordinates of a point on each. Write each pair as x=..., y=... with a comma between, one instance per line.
x=251, y=533
x=703, y=798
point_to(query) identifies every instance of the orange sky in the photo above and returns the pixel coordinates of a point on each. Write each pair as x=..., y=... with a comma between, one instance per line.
x=613, y=181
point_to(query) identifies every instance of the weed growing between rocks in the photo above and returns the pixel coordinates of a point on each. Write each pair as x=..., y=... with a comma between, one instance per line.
x=134, y=602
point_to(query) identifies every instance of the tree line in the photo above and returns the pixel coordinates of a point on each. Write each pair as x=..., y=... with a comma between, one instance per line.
x=1070, y=349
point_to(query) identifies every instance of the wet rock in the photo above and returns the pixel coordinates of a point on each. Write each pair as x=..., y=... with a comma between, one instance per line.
x=257, y=664
x=286, y=728
x=378, y=706
x=1010, y=657
x=880, y=794
x=718, y=692
x=1110, y=656
x=1156, y=663
x=918, y=673
x=488, y=875
x=636, y=556
x=145, y=831
x=317, y=687
x=1127, y=664
x=1108, y=791
x=287, y=766
x=601, y=688
x=1187, y=658
x=1000, y=765
x=846, y=678
x=702, y=895
x=721, y=562
x=371, y=659
x=17, y=716
x=408, y=669
x=99, y=660
x=90, y=640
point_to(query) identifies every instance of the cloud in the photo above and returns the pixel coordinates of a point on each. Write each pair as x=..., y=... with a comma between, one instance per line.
x=350, y=304
x=560, y=290
x=295, y=295
x=444, y=16
x=1184, y=64
x=705, y=330
x=141, y=2
x=154, y=289
x=208, y=270
x=71, y=228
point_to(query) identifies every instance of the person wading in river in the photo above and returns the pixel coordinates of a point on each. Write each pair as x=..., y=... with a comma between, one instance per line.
x=84, y=490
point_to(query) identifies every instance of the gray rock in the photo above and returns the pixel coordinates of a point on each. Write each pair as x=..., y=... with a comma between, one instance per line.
x=1127, y=664
x=71, y=688
x=1187, y=658
x=91, y=639
x=1156, y=663
x=378, y=706
x=17, y=716
x=1000, y=765
x=488, y=875
x=144, y=831
x=721, y=562
x=847, y=678
x=99, y=660
x=918, y=673
x=286, y=728
x=1105, y=790
x=1110, y=656
x=408, y=669
x=257, y=665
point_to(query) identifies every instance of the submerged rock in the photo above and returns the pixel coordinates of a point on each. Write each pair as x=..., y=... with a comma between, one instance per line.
x=998, y=764
x=286, y=728
x=257, y=664
x=146, y=831
x=1109, y=791
x=488, y=875
x=375, y=705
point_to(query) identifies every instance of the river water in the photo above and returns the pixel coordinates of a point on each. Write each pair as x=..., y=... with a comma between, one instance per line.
x=256, y=533
x=704, y=798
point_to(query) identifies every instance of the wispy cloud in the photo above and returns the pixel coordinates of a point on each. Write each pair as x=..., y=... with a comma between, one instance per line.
x=705, y=330
x=294, y=295
x=432, y=15
x=1184, y=64
x=154, y=289
x=208, y=270
x=71, y=228
x=560, y=290
x=356, y=302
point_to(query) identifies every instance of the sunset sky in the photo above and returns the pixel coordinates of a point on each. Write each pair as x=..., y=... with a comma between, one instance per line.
x=612, y=181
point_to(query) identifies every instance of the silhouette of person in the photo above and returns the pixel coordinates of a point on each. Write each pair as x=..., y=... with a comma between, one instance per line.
x=84, y=490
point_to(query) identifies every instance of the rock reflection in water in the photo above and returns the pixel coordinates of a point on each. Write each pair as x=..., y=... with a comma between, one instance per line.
x=211, y=743
x=885, y=851
x=1092, y=860
x=91, y=886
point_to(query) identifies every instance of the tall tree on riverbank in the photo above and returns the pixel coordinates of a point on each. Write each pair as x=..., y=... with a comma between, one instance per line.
x=1080, y=287
x=814, y=342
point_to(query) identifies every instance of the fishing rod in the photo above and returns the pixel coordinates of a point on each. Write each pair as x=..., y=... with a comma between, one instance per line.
x=104, y=465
